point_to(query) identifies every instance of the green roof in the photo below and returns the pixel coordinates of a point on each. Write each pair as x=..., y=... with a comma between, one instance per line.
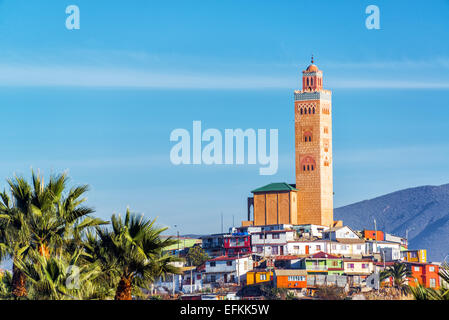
x=279, y=186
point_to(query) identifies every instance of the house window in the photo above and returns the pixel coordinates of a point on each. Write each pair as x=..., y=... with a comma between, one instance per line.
x=318, y=248
x=296, y=278
x=275, y=236
x=263, y=277
x=259, y=249
x=359, y=247
x=417, y=269
x=351, y=266
x=295, y=247
x=413, y=254
x=212, y=278
x=274, y=250
x=364, y=265
x=229, y=263
x=431, y=269
x=432, y=283
x=212, y=263
x=334, y=263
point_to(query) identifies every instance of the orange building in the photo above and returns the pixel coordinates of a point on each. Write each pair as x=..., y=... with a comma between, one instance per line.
x=275, y=204
x=313, y=145
x=290, y=278
x=313, y=192
x=372, y=235
x=425, y=274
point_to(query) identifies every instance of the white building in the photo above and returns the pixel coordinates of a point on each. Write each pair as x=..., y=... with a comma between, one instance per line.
x=224, y=270
x=192, y=280
x=347, y=247
x=334, y=234
x=303, y=247
x=390, y=250
x=272, y=243
x=393, y=238
x=311, y=230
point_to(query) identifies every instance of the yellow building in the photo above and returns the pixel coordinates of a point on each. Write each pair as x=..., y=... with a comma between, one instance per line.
x=414, y=255
x=258, y=276
x=313, y=191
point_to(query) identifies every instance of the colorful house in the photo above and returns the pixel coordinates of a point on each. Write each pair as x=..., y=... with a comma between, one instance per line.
x=414, y=255
x=373, y=235
x=237, y=243
x=290, y=278
x=323, y=263
x=425, y=274
x=259, y=276
x=360, y=267
x=227, y=270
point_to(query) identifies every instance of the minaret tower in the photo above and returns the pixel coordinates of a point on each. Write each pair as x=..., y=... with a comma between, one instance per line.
x=313, y=149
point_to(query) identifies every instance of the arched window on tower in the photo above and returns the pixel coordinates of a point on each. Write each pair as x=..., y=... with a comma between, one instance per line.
x=301, y=111
x=307, y=136
x=313, y=110
x=308, y=163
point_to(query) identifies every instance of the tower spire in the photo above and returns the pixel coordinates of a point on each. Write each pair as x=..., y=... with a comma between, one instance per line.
x=312, y=58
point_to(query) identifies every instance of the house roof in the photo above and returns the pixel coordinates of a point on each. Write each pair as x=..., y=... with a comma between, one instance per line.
x=278, y=186
x=274, y=231
x=356, y=260
x=323, y=255
x=226, y=258
x=280, y=258
x=290, y=272
x=349, y=241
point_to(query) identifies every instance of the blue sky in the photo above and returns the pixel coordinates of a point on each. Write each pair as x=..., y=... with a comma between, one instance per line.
x=102, y=101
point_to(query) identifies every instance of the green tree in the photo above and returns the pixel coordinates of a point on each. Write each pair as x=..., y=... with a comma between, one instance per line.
x=42, y=217
x=133, y=253
x=60, y=277
x=400, y=274
x=196, y=256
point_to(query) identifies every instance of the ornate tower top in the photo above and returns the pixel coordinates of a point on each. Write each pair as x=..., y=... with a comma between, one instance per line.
x=312, y=78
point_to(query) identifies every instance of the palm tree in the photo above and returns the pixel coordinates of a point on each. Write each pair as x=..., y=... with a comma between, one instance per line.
x=400, y=274
x=41, y=217
x=133, y=253
x=59, y=277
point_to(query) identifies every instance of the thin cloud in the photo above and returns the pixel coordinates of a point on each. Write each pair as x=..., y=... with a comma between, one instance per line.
x=70, y=76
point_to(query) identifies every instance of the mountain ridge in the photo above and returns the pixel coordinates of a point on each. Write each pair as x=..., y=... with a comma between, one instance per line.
x=423, y=211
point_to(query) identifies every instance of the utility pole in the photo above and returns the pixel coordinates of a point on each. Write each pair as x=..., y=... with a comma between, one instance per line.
x=238, y=269
x=191, y=281
x=264, y=237
x=375, y=230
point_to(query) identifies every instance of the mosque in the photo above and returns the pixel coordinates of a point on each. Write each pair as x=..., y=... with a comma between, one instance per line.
x=310, y=199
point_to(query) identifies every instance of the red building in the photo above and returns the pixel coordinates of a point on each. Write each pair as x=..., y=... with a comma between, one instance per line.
x=237, y=243
x=371, y=235
x=425, y=274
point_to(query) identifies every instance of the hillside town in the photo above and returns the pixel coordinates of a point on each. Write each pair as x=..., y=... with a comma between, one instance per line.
x=299, y=258
x=290, y=240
